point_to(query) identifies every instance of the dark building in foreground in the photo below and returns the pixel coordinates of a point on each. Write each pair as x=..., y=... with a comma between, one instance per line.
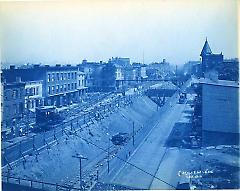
x=220, y=112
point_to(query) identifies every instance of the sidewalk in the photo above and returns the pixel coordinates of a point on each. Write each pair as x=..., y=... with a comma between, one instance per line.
x=175, y=160
x=16, y=140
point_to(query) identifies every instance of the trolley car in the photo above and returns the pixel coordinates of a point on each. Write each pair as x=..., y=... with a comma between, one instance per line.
x=46, y=118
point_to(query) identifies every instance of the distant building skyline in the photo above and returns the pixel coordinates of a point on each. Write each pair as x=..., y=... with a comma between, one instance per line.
x=67, y=32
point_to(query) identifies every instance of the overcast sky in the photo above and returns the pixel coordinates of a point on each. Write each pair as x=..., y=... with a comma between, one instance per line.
x=70, y=31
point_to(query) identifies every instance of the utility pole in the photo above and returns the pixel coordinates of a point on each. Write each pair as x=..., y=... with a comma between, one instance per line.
x=28, y=110
x=80, y=157
x=97, y=174
x=133, y=132
x=108, y=155
x=71, y=125
x=34, y=147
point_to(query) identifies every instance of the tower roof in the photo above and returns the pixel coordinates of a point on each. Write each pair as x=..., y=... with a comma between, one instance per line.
x=206, y=49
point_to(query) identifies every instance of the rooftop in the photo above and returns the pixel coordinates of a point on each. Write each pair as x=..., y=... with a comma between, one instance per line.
x=13, y=85
x=164, y=85
x=226, y=83
x=206, y=49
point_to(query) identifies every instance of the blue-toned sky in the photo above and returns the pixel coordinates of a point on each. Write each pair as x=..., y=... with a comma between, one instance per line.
x=70, y=31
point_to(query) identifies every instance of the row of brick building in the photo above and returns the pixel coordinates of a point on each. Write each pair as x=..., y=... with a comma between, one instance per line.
x=120, y=73
x=27, y=87
x=24, y=89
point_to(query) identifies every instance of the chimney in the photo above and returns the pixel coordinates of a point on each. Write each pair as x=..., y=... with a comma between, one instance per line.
x=12, y=67
x=36, y=65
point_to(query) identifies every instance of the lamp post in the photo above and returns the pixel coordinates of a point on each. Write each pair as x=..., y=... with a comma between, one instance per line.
x=80, y=157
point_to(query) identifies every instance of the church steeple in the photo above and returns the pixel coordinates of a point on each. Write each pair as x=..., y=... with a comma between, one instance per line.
x=206, y=49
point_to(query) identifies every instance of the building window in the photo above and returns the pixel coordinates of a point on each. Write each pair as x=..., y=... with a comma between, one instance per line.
x=27, y=91
x=15, y=94
x=62, y=76
x=15, y=109
x=69, y=76
x=65, y=87
x=72, y=75
x=61, y=88
x=32, y=103
x=65, y=76
x=79, y=82
x=75, y=75
x=52, y=89
x=72, y=86
x=53, y=76
x=75, y=85
x=58, y=77
x=49, y=90
x=49, y=77
x=68, y=86
x=21, y=107
x=37, y=90
x=57, y=88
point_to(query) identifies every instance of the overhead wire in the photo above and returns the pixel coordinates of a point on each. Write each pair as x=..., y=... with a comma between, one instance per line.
x=143, y=170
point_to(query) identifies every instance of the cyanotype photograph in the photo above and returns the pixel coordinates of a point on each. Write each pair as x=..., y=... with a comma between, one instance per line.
x=104, y=95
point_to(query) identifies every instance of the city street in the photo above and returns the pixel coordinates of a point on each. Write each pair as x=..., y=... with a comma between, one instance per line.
x=119, y=95
x=151, y=156
x=148, y=145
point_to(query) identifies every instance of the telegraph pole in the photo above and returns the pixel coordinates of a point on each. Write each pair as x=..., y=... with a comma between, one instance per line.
x=108, y=155
x=80, y=157
x=133, y=132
